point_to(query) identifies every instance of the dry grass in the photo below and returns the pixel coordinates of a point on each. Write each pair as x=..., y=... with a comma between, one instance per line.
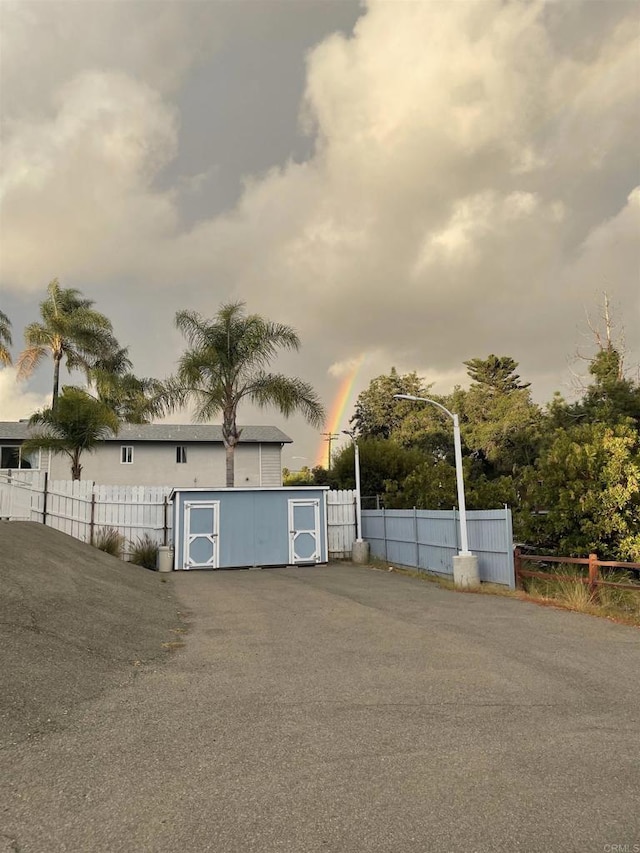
x=109, y=540
x=618, y=605
x=144, y=552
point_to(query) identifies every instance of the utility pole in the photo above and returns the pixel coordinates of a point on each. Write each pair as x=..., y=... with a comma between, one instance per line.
x=328, y=437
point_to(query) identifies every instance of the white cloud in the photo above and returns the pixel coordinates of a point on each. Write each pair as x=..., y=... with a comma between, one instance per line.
x=345, y=368
x=44, y=45
x=16, y=401
x=76, y=188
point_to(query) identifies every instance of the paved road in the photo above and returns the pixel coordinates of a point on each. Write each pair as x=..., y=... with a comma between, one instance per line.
x=344, y=709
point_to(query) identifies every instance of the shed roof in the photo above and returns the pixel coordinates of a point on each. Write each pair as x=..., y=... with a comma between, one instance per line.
x=19, y=430
x=235, y=489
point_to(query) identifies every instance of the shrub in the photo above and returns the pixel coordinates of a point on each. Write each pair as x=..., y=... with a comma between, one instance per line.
x=109, y=540
x=144, y=552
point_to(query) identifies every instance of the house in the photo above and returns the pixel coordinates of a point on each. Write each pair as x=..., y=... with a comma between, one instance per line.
x=159, y=455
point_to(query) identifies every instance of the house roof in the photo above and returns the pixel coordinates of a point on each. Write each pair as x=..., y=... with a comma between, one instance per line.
x=19, y=430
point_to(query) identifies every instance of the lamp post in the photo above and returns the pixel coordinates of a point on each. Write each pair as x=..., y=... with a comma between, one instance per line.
x=358, y=496
x=360, y=549
x=465, y=565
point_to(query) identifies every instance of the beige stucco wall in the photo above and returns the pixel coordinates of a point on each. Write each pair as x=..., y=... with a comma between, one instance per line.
x=154, y=464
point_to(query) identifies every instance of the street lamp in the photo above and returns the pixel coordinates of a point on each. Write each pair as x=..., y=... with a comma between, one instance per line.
x=466, y=563
x=360, y=549
x=358, y=498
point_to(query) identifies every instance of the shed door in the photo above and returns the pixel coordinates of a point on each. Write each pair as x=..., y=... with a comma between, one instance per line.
x=201, y=531
x=304, y=531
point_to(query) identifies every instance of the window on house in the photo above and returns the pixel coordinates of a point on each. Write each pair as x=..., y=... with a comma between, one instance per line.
x=12, y=457
x=126, y=454
x=181, y=454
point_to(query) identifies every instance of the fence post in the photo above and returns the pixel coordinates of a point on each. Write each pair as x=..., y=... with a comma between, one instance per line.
x=384, y=532
x=165, y=527
x=593, y=573
x=415, y=533
x=93, y=516
x=517, y=565
x=45, y=495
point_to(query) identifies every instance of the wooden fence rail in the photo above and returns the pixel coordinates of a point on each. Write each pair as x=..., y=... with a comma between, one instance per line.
x=593, y=579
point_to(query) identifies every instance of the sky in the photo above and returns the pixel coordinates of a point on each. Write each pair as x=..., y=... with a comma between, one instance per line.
x=407, y=184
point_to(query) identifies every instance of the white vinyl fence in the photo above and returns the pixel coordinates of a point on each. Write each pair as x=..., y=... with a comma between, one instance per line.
x=82, y=508
x=341, y=521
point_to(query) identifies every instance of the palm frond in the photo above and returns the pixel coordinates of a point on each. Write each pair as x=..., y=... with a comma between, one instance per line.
x=35, y=334
x=5, y=339
x=288, y=394
x=193, y=327
x=44, y=441
x=5, y=343
x=29, y=359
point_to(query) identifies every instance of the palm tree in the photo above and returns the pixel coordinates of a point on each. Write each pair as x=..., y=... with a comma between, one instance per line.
x=225, y=364
x=131, y=397
x=5, y=339
x=70, y=329
x=76, y=425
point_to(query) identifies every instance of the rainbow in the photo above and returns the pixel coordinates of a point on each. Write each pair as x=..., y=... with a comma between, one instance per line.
x=335, y=419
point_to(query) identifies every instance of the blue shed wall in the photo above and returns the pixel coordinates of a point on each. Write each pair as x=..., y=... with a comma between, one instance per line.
x=253, y=524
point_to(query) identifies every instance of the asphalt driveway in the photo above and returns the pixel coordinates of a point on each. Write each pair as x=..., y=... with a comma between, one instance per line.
x=345, y=709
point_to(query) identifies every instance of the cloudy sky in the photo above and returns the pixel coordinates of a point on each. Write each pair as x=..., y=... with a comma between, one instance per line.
x=406, y=183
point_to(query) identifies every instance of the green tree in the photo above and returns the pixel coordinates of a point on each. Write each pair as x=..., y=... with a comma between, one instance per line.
x=496, y=373
x=70, y=329
x=500, y=425
x=5, y=339
x=322, y=477
x=610, y=398
x=586, y=492
x=431, y=485
x=224, y=365
x=384, y=466
x=303, y=477
x=75, y=426
x=377, y=414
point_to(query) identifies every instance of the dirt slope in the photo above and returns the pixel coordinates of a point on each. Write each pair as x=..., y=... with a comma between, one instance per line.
x=73, y=622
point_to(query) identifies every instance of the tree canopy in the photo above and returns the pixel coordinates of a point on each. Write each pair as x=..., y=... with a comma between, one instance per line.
x=497, y=373
x=69, y=328
x=76, y=425
x=570, y=471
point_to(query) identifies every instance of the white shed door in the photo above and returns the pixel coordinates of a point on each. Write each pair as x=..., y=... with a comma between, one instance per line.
x=201, y=533
x=304, y=531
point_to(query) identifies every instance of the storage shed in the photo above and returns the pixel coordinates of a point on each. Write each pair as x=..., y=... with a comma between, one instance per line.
x=240, y=527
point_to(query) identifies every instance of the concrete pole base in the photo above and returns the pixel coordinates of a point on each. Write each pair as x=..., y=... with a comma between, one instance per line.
x=466, y=573
x=360, y=552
